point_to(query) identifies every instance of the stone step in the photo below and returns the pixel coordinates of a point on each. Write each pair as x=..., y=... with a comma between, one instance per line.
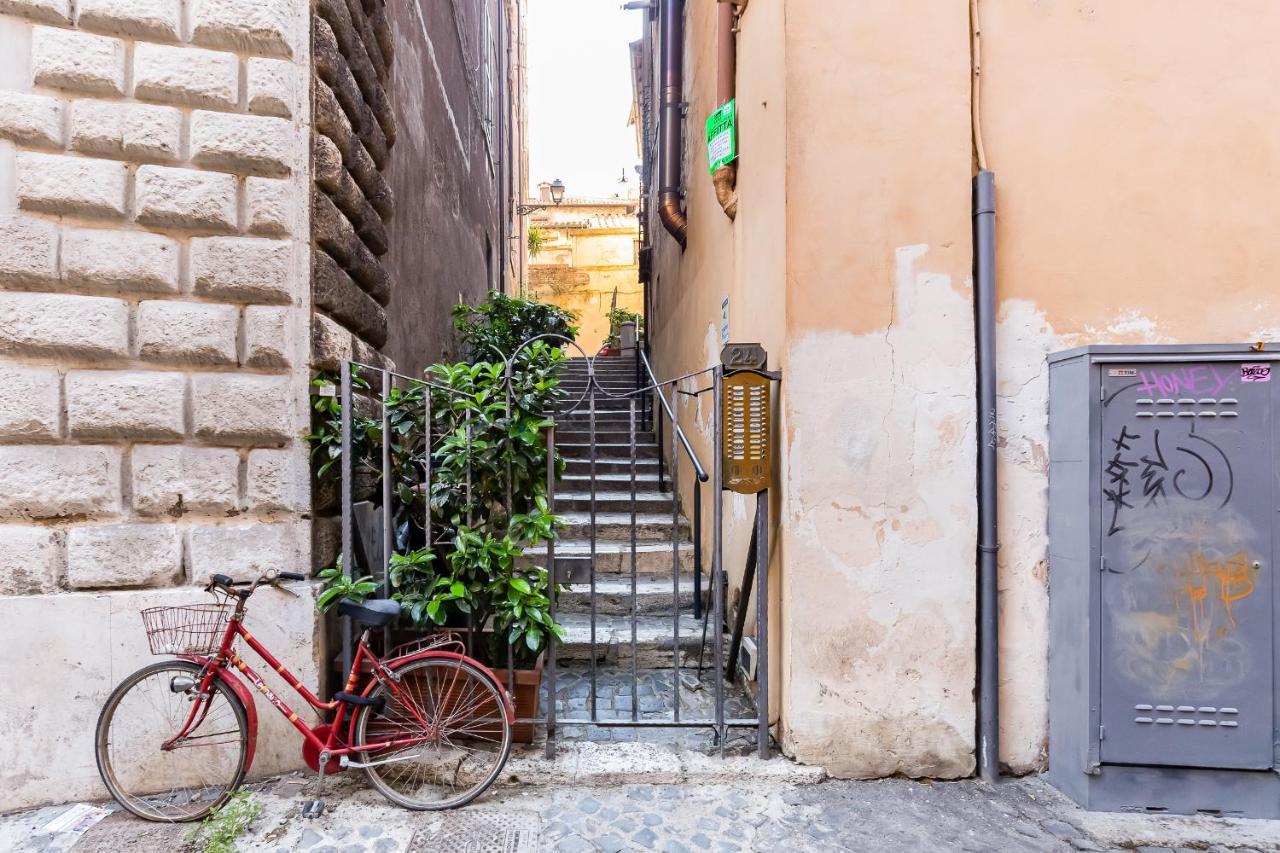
x=654, y=596
x=603, y=404
x=613, y=501
x=580, y=418
x=606, y=450
x=616, y=526
x=611, y=466
x=646, y=480
x=655, y=639
x=608, y=433
x=573, y=558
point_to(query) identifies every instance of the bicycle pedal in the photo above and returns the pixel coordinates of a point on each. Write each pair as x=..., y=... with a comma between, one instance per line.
x=313, y=809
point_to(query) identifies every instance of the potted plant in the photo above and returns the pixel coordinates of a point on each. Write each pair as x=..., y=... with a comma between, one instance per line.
x=617, y=318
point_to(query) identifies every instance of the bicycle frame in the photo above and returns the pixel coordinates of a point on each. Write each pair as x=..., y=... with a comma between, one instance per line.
x=332, y=747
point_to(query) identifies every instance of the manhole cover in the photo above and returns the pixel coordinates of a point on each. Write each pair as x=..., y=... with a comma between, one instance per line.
x=469, y=831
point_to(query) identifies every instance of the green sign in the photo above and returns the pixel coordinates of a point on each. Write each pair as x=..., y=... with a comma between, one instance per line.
x=722, y=136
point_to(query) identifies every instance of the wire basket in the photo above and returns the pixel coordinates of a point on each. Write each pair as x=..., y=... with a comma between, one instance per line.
x=192, y=629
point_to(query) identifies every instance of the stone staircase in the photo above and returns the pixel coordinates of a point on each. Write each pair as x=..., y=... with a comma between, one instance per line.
x=656, y=555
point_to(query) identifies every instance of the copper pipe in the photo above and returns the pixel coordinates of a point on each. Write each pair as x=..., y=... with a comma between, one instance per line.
x=725, y=179
x=671, y=25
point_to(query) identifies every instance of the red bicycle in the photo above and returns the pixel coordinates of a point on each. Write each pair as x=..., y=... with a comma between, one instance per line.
x=431, y=727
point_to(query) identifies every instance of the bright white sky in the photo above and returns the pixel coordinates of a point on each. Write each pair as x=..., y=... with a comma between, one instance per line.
x=580, y=95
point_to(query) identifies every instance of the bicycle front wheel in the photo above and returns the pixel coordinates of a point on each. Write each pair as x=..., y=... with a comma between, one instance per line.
x=454, y=720
x=195, y=774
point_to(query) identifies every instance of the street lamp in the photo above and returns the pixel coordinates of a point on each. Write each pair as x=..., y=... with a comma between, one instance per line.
x=557, y=196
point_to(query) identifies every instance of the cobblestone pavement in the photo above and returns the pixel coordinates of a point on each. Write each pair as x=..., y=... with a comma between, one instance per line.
x=891, y=815
x=652, y=697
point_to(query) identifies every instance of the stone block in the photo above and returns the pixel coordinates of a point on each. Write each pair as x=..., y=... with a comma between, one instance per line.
x=50, y=324
x=278, y=480
x=330, y=343
x=337, y=295
x=186, y=75
x=127, y=261
x=31, y=559
x=243, y=269
x=242, y=143
x=326, y=542
x=272, y=206
x=187, y=332
x=244, y=551
x=81, y=62
x=244, y=408
x=102, y=557
x=113, y=404
x=49, y=11
x=152, y=19
x=54, y=183
x=170, y=479
x=59, y=481
x=186, y=198
x=30, y=402
x=252, y=26
x=268, y=337
x=31, y=120
x=137, y=131
x=271, y=86
x=28, y=252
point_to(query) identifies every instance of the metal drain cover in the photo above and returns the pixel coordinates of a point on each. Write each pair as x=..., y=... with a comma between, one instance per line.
x=477, y=831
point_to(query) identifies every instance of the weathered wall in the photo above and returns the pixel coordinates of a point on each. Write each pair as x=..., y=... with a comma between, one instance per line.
x=443, y=169
x=1134, y=157
x=153, y=346
x=879, y=519
x=351, y=202
x=744, y=260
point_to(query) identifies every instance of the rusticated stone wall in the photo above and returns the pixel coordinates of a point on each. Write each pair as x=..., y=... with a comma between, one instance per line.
x=154, y=307
x=351, y=202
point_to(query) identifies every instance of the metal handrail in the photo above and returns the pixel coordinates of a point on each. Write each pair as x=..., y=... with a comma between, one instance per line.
x=703, y=476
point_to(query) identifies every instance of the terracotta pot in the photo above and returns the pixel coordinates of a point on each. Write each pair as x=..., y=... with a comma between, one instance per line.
x=528, y=683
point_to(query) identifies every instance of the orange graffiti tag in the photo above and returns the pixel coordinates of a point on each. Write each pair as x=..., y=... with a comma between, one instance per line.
x=1232, y=579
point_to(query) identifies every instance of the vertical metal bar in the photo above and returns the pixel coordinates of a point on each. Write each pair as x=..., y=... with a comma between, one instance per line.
x=345, y=499
x=635, y=673
x=697, y=548
x=426, y=467
x=660, y=438
x=386, y=499
x=511, y=667
x=762, y=622
x=591, y=479
x=675, y=556
x=553, y=594
x=717, y=548
x=466, y=429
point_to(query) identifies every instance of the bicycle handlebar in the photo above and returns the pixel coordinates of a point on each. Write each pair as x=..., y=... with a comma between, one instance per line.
x=228, y=584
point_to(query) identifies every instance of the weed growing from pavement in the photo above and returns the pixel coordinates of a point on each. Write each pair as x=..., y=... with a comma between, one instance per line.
x=218, y=832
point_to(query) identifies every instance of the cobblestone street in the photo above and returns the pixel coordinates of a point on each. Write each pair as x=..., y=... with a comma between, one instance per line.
x=1018, y=815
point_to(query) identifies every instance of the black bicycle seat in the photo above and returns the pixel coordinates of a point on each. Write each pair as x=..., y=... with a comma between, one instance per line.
x=374, y=612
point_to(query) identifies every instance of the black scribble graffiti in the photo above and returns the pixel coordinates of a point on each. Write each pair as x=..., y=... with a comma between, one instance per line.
x=1118, y=392
x=1153, y=474
x=1208, y=471
x=1117, y=470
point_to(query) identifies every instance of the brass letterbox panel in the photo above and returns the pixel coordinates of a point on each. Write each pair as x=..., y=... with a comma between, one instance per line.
x=747, y=447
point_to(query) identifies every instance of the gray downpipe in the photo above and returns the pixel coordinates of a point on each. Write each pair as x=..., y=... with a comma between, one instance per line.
x=984, y=294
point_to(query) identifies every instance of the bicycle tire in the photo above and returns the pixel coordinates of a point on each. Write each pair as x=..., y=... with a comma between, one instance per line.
x=211, y=796
x=489, y=699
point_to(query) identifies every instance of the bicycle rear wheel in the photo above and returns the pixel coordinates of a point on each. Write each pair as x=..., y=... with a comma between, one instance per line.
x=196, y=775
x=458, y=716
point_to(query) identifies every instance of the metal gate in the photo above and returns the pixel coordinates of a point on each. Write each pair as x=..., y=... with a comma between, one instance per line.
x=400, y=519
x=1187, y=632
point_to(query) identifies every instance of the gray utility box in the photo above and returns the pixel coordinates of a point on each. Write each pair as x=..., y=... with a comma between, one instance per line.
x=1163, y=503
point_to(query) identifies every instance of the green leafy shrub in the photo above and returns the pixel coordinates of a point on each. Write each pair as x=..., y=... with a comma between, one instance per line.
x=495, y=327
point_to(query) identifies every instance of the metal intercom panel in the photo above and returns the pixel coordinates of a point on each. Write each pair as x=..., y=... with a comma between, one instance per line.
x=1163, y=499
x=1187, y=629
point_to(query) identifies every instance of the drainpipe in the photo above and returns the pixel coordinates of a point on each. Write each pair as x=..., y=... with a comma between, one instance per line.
x=671, y=24
x=725, y=179
x=984, y=277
